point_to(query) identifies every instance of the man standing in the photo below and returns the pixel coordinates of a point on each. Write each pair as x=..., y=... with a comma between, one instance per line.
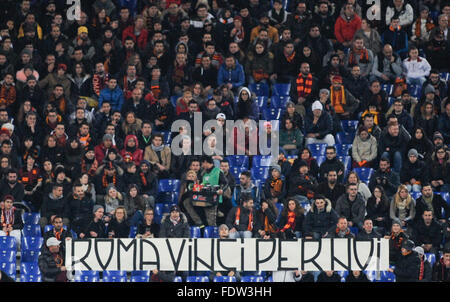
x=407, y=267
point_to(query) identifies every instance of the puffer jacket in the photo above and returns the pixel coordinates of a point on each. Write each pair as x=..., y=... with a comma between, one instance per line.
x=47, y=265
x=168, y=230
x=137, y=155
x=364, y=150
x=345, y=30
x=320, y=222
x=260, y=64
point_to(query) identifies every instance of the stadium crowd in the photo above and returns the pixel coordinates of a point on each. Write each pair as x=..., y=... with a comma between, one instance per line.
x=359, y=94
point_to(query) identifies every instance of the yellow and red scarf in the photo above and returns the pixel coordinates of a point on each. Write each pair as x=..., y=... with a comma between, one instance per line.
x=338, y=99
x=304, y=87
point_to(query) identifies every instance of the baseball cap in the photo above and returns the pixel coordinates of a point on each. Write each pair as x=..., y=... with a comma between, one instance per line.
x=221, y=116
x=52, y=241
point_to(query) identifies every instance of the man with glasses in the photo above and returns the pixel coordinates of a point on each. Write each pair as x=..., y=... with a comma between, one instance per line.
x=352, y=206
x=439, y=85
x=332, y=163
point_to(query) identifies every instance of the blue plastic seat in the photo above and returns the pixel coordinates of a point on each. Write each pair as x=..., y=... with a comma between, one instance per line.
x=87, y=276
x=238, y=160
x=317, y=149
x=445, y=76
x=279, y=101
x=7, y=256
x=29, y=268
x=211, y=232
x=139, y=278
x=173, y=100
x=259, y=89
x=270, y=114
x=32, y=230
x=280, y=207
x=32, y=243
x=30, y=278
x=344, y=137
x=261, y=173
x=195, y=232
x=386, y=276
x=9, y=268
x=114, y=276
x=431, y=258
x=50, y=227
x=320, y=159
x=415, y=195
x=224, y=279
x=8, y=243
x=415, y=90
x=306, y=205
x=342, y=149
x=349, y=125
x=197, y=279
x=354, y=230
x=140, y=273
x=364, y=173
x=262, y=101
x=169, y=185
x=167, y=137
x=31, y=218
x=177, y=279
x=236, y=171
x=343, y=275
x=31, y=255
x=262, y=160
x=281, y=89
x=388, y=88
x=133, y=232
x=252, y=279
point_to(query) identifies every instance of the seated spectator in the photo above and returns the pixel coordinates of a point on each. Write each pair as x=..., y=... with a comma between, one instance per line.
x=392, y=145
x=377, y=208
x=79, y=208
x=414, y=173
x=109, y=174
x=368, y=121
x=331, y=163
x=346, y=25
x=343, y=102
x=436, y=50
x=352, y=206
x=51, y=261
x=402, y=10
x=113, y=94
x=403, y=207
x=319, y=219
x=11, y=186
x=183, y=102
x=403, y=117
x=131, y=150
x=407, y=267
x=416, y=68
x=387, y=65
x=119, y=226
x=242, y=221
x=158, y=155
x=291, y=220
x=427, y=233
x=162, y=113
x=112, y=200
x=246, y=188
x=135, y=204
x=421, y=143
x=246, y=105
x=363, y=189
x=11, y=220
x=291, y=138
x=302, y=185
x=364, y=149
x=441, y=269
x=361, y=56
x=331, y=188
x=274, y=188
x=356, y=84
x=148, y=228
x=396, y=36
x=340, y=230
x=58, y=230
x=95, y=228
x=174, y=224
x=53, y=204
x=305, y=87
x=231, y=73
x=259, y=64
x=294, y=115
x=356, y=276
x=268, y=215
x=422, y=27
x=286, y=63
x=206, y=73
x=444, y=122
x=396, y=238
x=318, y=126
x=439, y=169
x=328, y=276
x=426, y=271
x=368, y=232
x=370, y=36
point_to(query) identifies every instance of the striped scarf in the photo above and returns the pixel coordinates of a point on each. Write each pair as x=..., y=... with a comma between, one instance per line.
x=428, y=25
x=422, y=268
x=363, y=56
x=250, y=219
x=290, y=222
x=338, y=99
x=290, y=58
x=304, y=86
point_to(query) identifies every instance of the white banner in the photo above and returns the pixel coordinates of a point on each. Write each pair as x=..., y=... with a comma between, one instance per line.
x=204, y=254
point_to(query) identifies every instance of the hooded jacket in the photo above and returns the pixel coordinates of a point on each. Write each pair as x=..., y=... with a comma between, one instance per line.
x=169, y=230
x=320, y=222
x=344, y=29
x=354, y=211
x=364, y=150
x=247, y=108
x=136, y=153
x=53, y=206
x=47, y=264
x=235, y=76
x=115, y=97
x=417, y=170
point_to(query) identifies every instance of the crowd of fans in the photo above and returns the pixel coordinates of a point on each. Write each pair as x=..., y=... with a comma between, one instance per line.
x=86, y=109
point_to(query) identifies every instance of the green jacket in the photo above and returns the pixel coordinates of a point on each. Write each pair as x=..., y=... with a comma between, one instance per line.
x=287, y=137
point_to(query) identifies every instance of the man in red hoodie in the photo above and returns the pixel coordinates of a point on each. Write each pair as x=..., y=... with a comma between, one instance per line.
x=137, y=32
x=346, y=25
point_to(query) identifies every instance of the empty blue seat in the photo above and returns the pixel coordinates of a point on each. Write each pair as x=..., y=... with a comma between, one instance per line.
x=349, y=125
x=32, y=243
x=133, y=232
x=238, y=160
x=259, y=89
x=260, y=172
x=211, y=232
x=167, y=197
x=114, y=276
x=173, y=100
x=169, y=185
x=7, y=256
x=9, y=268
x=431, y=258
x=224, y=279
x=7, y=243
x=270, y=114
x=167, y=137
x=342, y=149
x=354, y=230
x=343, y=275
x=364, y=173
x=29, y=268
x=197, y=279
x=279, y=101
x=252, y=279
x=344, y=137
x=195, y=232
x=445, y=76
x=49, y=227
x=415, y=90
x=87, y=276
x=32, y=230
x=280, y=207
x=31, y=255
x=320, y=159
x=415, y=195
x=262, y=160
x=386, y=276
x=262, y=101
x=177, y=279
x=306, y=205
x=317, y=149
x=30, y=278
x=139, y=278
x=236, y=171
x=31, y=218
x=140, y=273
x=388, y=88
x=281, y=89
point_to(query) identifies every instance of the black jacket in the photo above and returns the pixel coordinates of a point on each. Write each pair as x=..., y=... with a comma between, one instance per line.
x=47, y=264
x=65, y=234
x=168, y=230
x=440, y=272
x=391, y=183
x=153, y=228
x=424, y=234
x=328, y=165
x=417, y=170
x=331, y=194
x=324, y=278
x=243, y=220
x=438, y=203
x=17, y=191
x=362, y=278
x=364, y=236
x=51, y=206
x=319, y=221
x=407, y=268
x=121, y=230
x=97, y=227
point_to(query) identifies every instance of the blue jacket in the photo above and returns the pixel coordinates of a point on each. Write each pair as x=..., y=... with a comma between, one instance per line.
x=324, y=126
x=115, y=97
x=234, y=76
x=398, y=40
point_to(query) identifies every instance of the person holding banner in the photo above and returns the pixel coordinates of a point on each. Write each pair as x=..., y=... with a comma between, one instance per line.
x=242, y=221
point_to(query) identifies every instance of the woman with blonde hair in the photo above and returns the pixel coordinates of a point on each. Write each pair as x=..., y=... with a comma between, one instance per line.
x=131, y=124
x=119, y=226
x=403, y=206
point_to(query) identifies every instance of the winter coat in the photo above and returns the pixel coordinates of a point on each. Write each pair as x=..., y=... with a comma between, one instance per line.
x=344, y=29
x=374, y=211
x=287, y=138
x=324, y=126
x=51, y=80
x=392, y=181
x=51, y=206
x=394, y=143
x=169, y=230
x=120, y=229
x=407, y=268
x=352, y=210
x=137, y=154
x=324, y=278
x=152, y=157
x=333, y=232
x=299, y=184
x=440, y=272
x=416, y=69
x=115, y=97
x=333, y=164
x=423, y=234
x=364, y=236
x=364, y=150
x=319, y=222
x=438, y=204
x=47, y=264
x=141, y=41
x=398, y=39
x=418, y=171
x=440, y=171
x=406, y=15
x=373, y=42
x=243, y=220
x=235, y=76
x=259, y=64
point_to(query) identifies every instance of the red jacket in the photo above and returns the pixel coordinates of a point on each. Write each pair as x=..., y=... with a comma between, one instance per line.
x=137, y=155
x=141, y=41
x=345, y=30
x=100, y=152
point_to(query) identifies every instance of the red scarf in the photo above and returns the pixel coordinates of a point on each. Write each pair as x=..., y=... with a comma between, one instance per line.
x=250, y=219
x=363, y=56
x=428, y=25
x=58, y=234
x=290, y=222
x=304, y=86
x=290, y=58
x=422, y=262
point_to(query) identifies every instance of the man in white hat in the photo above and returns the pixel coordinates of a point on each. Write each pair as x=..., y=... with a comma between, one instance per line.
x=51, y=262
x=318, y=126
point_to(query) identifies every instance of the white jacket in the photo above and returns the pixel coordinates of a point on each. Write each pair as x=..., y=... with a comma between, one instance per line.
x=406, y=16
x=416, y=69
